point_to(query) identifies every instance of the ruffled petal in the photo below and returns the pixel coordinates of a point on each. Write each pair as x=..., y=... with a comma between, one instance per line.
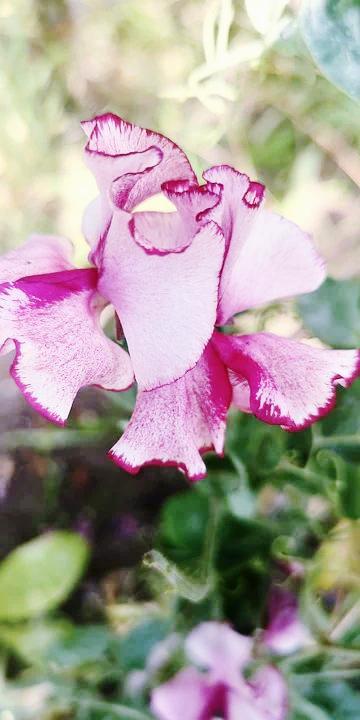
x=187, y=690
x=173, y=424
x=216, y=647
x=268, y=257
x=129, y=163
x=173, y=231
x=53, y=320
x=192, y=201
x=167, y=303
x=39, y=254
x=291, y=384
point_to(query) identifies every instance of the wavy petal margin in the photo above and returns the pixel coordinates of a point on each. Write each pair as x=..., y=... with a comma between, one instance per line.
x=54, y=322
x=173, y=424
x=292, y=384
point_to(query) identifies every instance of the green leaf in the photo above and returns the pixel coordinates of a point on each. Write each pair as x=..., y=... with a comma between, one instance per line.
x=261, y=447
x=39, y=575
x=338, y=699
x=332, y=312
x=340, y=430
x=331, y=30
x=242, y=561
x=134, y=649
x=183, y=527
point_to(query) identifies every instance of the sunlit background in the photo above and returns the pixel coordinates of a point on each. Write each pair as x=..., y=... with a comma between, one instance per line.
x=230, y=82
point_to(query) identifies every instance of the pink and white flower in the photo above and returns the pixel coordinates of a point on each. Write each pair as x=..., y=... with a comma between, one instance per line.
x=214, y=685
x=173, y=280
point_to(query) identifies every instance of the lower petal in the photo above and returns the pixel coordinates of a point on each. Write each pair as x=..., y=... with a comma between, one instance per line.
x=291, y=384
x=60, y=346
x=173, y=424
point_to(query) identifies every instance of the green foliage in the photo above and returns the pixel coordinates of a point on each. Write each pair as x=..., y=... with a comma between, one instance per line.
x=331, y=30
x=38, y=576
x=332, y=313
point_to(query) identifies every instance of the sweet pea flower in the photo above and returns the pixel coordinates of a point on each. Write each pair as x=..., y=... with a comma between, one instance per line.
x=219, y=689
x=173, y=280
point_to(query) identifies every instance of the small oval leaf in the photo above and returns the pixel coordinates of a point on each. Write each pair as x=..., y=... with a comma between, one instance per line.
x=39, y=575
x=332, y=312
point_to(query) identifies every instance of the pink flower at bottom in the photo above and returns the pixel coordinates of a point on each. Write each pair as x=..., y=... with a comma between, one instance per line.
x=220, y=689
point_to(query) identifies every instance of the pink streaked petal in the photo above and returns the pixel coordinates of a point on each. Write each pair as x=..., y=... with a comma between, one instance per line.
x=241, y=392
x=114, y=140
x=173, y=424
x=271, y=693
x=166, y=303
x=188, y=690
x=215, y=646
x=276, y=260
x=39, y=254
x=60, y=346
x=291, y=384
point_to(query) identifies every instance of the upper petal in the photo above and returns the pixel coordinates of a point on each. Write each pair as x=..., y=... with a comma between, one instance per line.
x=39, y=254
x=172, y=424
x=60, y=347
x=291, y=384
x=268, y=257
x=116, y=149
x=167, y=303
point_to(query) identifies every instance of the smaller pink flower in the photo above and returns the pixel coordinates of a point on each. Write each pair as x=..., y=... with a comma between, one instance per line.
x=285, y=632
x=220, y=689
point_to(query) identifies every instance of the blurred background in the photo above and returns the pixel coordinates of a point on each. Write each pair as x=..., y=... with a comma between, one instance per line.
x=231, y=82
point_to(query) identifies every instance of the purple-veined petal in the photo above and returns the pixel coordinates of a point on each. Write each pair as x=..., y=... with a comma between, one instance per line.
x=166, y=302
x=172, y=424
x=216, y=647
x=187, y=692
x=268, y=257
x=53, y=320
x=39, y=254
x=291, y=384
